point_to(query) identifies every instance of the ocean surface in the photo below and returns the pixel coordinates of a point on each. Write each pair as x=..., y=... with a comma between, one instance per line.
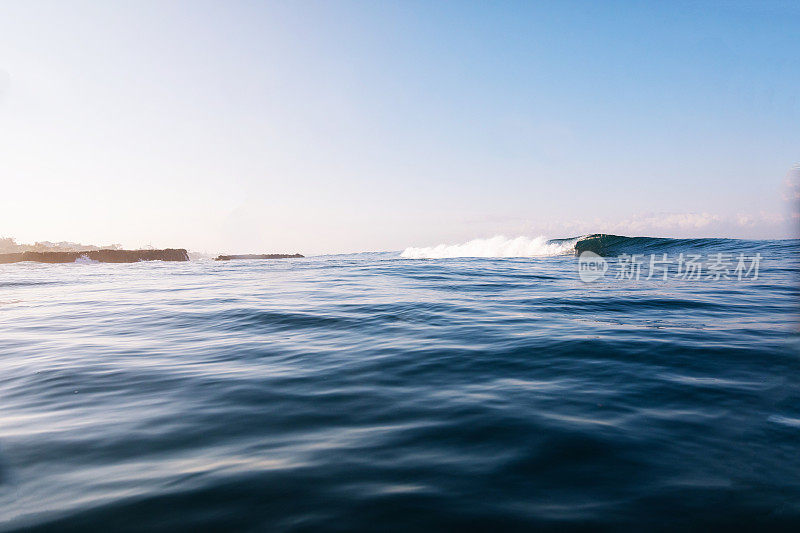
x=404, y=391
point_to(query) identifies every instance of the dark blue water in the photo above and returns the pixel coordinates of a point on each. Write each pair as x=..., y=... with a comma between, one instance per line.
x=370, y=392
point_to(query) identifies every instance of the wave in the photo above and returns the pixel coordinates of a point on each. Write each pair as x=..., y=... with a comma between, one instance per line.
x=599, y=243
x=494, y=247
x=613, y=245
x=86, y=260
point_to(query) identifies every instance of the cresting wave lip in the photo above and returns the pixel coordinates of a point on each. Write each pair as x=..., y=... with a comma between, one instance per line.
x=613, y=245
x=599, y=243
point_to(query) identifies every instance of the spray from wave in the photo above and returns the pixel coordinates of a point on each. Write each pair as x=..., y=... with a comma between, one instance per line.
x=599, y=243
x=494, y=247
x=86, y=260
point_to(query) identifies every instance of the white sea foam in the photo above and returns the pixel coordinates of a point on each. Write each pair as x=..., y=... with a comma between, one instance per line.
x=494, y=247
x=86, y=260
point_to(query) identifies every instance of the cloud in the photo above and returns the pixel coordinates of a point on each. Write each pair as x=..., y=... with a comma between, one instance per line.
x=791, y=185
x=674, y=224
x=791, y=192
x=669, y=221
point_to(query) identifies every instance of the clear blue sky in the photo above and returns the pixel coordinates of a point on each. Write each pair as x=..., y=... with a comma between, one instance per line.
x=347, y=126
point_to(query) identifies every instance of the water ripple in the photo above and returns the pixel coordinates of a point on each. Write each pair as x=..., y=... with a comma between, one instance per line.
x=372, y=392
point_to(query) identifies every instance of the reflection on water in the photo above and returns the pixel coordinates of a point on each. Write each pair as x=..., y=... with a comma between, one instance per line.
x=376, y=392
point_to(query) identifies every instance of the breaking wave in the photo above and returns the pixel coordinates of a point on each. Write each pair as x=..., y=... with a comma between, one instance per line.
x=86, y=260
x=494, y=247
x=602, y=244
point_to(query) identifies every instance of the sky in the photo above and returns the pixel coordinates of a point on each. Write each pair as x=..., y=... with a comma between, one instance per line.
x=338, y=126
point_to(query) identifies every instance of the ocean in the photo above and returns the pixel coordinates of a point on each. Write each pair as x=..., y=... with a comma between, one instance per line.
x=421, y=390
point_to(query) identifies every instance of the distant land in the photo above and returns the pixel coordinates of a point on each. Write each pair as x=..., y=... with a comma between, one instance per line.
x=70, y=252
x=101, y=256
